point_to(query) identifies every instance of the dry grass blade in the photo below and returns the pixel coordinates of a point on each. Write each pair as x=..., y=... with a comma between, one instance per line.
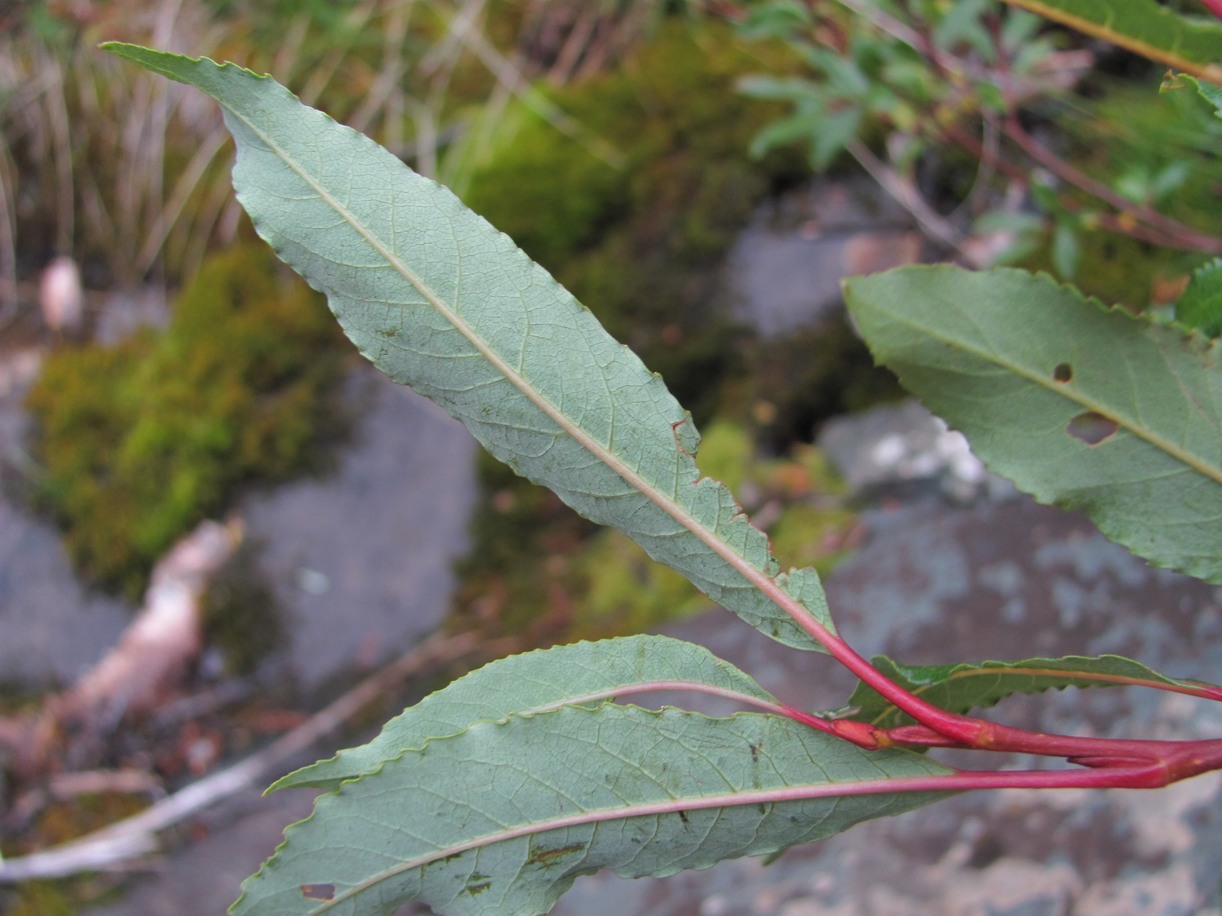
x=462, y=26
x=111, y=846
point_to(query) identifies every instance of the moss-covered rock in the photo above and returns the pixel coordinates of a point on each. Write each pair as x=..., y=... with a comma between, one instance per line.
x=140, y=441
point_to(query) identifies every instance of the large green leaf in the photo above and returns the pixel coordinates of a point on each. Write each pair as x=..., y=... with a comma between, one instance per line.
x=443, y=302
x=502, y=818
x=1144, y=27
x=583, y=672
x=964, y=687
x=1080, y=405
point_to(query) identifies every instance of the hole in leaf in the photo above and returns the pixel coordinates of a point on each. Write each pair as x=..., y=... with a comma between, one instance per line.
x=318, y=891
x=1062, y=373
x=1091, y=428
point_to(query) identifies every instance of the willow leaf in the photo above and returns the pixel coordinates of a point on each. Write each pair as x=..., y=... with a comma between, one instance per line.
x=584, y=672
x=439, y=300
x=1144, y=27
x=1080, y=405
x=503, y=817
x=964, y=687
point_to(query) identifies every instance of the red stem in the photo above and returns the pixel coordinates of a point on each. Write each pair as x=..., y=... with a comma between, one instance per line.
x=939, y=728
x=1088, y=751
x=1182, y=761
x=962, y=731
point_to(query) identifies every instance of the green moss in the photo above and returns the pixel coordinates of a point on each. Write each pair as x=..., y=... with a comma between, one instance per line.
x=726, y=453
x=807, y=535
x=626, y=592
x=56, y=823
x=140, y=441
x=41, y=898
x=515, y=578
x=1119, y=269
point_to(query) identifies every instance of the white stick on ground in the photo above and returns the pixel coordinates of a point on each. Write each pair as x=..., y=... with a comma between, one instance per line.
x=135, y=836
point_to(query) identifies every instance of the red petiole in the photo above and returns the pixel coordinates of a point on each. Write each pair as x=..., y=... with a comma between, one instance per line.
x=1107, y=762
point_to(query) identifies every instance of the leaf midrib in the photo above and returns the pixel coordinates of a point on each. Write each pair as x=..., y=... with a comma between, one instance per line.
x=1171, y=56
x=925, y=782
x=755, y=576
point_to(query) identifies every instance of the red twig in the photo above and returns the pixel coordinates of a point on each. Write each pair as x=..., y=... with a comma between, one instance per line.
x=1133, y=763
x=1191, y=758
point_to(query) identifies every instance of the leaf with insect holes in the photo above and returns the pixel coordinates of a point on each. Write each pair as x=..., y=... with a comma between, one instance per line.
x=439, y=300
x=1082, y=406
x=504, y=816
x=964, y=687
x=581, y=673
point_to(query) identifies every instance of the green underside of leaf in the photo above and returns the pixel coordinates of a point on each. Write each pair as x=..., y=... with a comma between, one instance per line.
x=585, y=672
x=503, y=817
x=1080, y=405
x=439, y=300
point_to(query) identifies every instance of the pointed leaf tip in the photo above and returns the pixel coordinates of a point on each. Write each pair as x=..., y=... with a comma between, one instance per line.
x=440, y=300
x=178, y=67
x=525, y=684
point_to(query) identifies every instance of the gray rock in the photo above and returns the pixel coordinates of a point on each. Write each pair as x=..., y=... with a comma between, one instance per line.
x=904, y=448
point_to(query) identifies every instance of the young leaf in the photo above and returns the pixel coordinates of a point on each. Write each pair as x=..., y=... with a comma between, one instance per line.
x=439, y=300
x=503, y=817
x=1201, y=304
x=1211, y=93
x=964, y=687
x=1080, y=405
x=580, y=673
x=1144, y=27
